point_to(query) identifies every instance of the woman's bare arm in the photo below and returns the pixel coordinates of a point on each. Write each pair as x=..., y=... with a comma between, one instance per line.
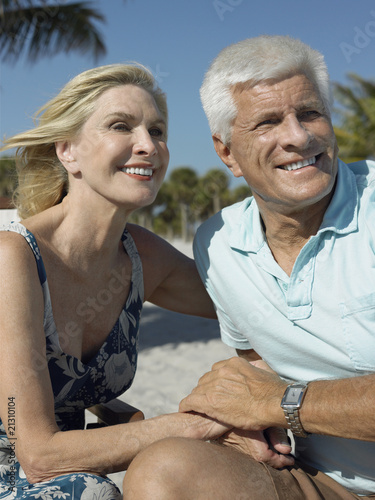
x=43, y=450
x=171, y=278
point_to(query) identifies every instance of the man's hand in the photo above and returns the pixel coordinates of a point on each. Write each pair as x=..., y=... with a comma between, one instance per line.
x=269, y=446
x=238, y=394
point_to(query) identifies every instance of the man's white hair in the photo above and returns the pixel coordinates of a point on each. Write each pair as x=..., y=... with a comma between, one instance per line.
x=255, y=60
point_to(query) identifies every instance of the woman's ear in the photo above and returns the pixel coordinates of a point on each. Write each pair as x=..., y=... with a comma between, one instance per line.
x=64, y=152
x=225, y=154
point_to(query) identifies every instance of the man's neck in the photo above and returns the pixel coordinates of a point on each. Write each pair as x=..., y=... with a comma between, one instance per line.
x=287, y=232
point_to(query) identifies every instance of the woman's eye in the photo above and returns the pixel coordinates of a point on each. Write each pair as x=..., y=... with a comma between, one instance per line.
x=156, y=132
x=121, y=127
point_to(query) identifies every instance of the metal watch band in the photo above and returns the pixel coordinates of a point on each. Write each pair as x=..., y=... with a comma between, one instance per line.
x=294, y=423
x=291, y=404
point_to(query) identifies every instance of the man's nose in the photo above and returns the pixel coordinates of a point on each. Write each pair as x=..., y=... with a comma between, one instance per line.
x=293, y=134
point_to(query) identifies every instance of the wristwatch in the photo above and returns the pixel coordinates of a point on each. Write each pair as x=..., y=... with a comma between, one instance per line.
x=291, y=403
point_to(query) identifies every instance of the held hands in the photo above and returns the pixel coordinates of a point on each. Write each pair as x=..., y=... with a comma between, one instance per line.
x=269, y=446
x=191, y=425
x=239, y=395
x=242, y=395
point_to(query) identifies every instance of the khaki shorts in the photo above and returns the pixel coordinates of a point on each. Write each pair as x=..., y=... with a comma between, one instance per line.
x=304, y=482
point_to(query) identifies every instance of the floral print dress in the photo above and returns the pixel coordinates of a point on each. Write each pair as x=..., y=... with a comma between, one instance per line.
x=77, y=385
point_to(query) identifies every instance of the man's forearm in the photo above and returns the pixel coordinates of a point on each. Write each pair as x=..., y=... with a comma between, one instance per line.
x=343, y=408
x=246, y=397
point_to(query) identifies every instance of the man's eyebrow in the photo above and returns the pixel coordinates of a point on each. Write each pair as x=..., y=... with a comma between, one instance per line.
x=262, y=115
x=312, y=104
x=267, y=114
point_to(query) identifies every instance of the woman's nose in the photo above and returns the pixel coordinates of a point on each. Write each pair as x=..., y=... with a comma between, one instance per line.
x=144, y=143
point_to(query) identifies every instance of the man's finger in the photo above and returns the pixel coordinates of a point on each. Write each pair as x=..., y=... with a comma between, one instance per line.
x=195, y=402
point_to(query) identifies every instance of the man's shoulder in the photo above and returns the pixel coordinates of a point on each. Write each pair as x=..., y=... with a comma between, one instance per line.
x=364, y=171
x=221, y=224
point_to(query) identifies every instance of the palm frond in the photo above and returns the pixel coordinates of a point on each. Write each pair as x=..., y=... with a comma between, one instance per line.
x=356, y=128
x=45, y=30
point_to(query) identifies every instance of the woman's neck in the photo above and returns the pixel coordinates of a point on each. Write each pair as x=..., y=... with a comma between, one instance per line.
x=79, y=234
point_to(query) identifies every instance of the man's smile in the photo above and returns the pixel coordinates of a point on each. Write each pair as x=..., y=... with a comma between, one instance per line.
x=299, y=164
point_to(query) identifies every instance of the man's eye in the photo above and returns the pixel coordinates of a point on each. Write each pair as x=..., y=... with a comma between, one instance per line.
x=265, y=123
x=311, y=114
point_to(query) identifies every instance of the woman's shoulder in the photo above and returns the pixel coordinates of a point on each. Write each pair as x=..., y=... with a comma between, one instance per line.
x=12, y=238
x=16, y=256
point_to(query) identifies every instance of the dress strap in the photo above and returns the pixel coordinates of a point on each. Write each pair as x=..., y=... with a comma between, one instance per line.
x=137, y=271
x=16, y=227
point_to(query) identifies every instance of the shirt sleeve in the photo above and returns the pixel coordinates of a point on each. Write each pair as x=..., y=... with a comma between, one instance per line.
x=206, y=267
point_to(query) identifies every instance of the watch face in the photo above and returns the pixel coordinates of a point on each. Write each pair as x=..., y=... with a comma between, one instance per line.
x=293, y=395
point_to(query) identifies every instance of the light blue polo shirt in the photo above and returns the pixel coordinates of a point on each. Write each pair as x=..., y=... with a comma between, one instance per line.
x=317, y=323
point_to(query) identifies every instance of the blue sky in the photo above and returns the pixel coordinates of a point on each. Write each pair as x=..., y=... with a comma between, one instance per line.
x=178, y=39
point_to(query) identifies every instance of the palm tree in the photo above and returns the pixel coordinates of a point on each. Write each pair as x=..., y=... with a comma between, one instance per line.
x=356, y=130
x=240, y=193
x=8, y=178
x=212, y=194
x=37, y=28
x=167, y=217
x=181, y=186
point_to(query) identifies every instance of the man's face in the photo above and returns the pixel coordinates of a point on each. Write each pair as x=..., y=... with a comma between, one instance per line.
x=283, y=144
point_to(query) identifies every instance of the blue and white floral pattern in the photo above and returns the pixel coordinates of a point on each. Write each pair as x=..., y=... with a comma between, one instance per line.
x=77, y=385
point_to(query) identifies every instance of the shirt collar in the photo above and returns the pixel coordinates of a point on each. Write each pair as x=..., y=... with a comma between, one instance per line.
x=341, y=215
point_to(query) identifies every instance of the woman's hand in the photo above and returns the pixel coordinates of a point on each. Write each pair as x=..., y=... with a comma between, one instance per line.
x=198, y=426
x=270, y=446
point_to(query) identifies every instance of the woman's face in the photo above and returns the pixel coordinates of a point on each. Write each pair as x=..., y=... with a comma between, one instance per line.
x=121, y=154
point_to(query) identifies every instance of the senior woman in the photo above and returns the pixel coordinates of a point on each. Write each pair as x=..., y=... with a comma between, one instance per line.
x=74, y=276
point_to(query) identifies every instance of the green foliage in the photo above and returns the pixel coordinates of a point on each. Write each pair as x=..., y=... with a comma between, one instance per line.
x=239, y=194
x=41, y=28
x=8, y=178
x=182, y=184
x=179, y=191
x=185, y=200
x=356, y=116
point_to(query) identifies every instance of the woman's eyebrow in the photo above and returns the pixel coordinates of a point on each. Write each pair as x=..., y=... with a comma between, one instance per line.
x=120, y=115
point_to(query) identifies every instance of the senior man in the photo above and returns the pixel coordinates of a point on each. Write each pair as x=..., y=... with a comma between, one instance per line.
x=291, y=271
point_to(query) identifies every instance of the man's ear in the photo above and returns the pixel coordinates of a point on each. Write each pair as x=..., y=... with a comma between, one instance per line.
x=225, y=154
x=64, y=152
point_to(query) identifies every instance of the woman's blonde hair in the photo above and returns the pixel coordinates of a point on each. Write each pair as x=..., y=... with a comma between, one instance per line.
x=42, y=179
